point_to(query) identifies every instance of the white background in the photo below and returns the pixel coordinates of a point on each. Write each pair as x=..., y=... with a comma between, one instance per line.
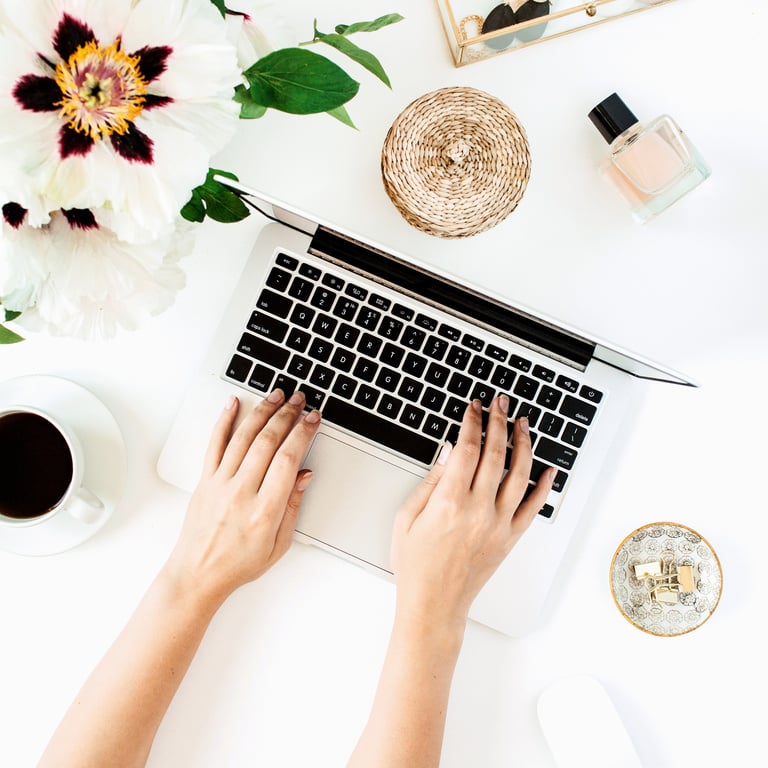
x=287, y=671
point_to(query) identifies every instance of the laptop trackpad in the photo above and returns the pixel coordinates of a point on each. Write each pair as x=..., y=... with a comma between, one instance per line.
x=352, y=500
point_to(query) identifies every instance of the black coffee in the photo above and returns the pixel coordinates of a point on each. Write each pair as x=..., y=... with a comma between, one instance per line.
x=35, y=465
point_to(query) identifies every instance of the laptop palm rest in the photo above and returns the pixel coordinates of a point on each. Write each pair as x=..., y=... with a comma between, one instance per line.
x=360, y=519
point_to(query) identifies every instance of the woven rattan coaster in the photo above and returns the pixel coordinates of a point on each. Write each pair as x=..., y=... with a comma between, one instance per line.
x=455, y=162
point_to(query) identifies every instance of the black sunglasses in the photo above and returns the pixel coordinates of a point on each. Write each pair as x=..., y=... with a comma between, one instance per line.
x=503, y=16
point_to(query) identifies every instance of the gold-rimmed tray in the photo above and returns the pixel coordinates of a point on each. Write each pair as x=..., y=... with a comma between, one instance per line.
x=683, y=584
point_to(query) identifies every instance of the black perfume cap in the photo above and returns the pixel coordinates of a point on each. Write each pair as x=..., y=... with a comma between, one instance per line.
x=612, y=117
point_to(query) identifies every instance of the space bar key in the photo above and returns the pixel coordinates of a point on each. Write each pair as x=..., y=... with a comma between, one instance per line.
x=379, y=430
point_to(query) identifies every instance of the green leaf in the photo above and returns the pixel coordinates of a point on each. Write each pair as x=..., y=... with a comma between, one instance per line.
x=341, y=114
x=300, y=82
x=216, y=201
x=362, y=57
x=369, y=26
x=220, y=5
x=249, y=109
x=7, y=336
x=11, y=315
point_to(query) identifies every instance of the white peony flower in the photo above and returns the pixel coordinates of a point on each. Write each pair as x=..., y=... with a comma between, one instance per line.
x=73, y=277
x=114, y=105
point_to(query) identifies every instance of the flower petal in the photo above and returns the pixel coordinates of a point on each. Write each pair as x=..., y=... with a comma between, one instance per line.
x=69, y=35
x=14, y=214
x=37, y=93
x=80, y=218
x=133, y=145
x=72, y=142
x=153, y=60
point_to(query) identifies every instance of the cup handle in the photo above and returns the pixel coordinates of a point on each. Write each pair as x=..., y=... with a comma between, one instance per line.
x=85, y=506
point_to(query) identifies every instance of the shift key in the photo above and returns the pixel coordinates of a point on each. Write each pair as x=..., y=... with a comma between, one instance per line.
x=263, y=350
x=555, y=453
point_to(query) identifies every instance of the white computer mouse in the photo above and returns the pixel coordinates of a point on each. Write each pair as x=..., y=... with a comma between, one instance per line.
x=582, y=727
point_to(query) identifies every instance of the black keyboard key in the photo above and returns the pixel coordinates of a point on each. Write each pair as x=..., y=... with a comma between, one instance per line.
x=578, y=410
x=263, y=350
x=388, y=379
x=503, y=377
x=404, y=313
x=574, y=435
x=389, y=406
x=367, y=396
x=391, y=355
x=267, y=326
x=302, y=315
x=449, y=332
x=555, y=453
x=435, y=348
x=593, y=395
x=274, y=303
x=551, y=425
x=453, y=433
x=390, y=328
x=484, y=393
x=343, y=359
x=539, y=467
x=322, y=377
x=356, y=292
x=480, y=367
x=380, y=430
x=410, y=389
x=286, y=383
x=313, y=273
x=423, y=321
x=380, y=302
x=454, y=409
x=314, y=397
x=549, y=397
x=298, y=340
x=413, y=338
x=435, y=426
x=344, y=386
x=239, y=368
x=369, y=345
x=497, y=353
x=323, y=298
x=278, y=279
x=526, y=387
x=325, y=325
x=433, y=399
x=460, y=384
x=566, y=383
x=332, y=281
x=520, y=363
x=547, y=511
x=345, y=308
x=261, y=378
x=546, y=374
x=365, y=369
x=347, y=335
x=289, y=262
x=414, y=364
x=368, y=318
x=531, y=412
x=437, y=374
x=301, y=289
x=320, y=349
x=458, y=357
x=473, y=342
x=299, y=367
x=412, y=416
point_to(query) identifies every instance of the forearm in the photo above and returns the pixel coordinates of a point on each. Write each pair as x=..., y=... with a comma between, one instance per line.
x=115, y=716
x=408, y=715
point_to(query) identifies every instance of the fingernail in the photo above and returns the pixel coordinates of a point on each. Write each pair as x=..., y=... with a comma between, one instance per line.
x=477, y=406
x=304, y=481
x=297, y=398
x=312, y=417
x=504, y=404
x=276, y=396
x=552, y=474
x=445, y=452
x=230, y=404
x=524, y=424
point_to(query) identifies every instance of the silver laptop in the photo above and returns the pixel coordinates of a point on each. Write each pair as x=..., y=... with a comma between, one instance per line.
x=391, y=350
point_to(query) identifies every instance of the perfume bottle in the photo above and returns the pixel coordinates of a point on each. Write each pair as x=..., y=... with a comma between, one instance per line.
x=651, y=165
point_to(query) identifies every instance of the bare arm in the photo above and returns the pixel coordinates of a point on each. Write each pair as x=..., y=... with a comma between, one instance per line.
x=448, y=540
x=240, y=521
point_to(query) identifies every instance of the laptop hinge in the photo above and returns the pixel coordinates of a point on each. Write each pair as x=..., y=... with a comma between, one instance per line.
x=452, y=297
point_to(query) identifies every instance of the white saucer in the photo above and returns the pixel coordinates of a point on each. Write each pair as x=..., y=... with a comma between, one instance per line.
x=104, y=458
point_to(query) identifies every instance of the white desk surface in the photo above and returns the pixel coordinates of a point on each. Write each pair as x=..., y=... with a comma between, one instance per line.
x=286, y=674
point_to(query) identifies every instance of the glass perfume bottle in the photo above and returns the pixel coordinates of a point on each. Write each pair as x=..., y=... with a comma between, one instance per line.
x=651, y=165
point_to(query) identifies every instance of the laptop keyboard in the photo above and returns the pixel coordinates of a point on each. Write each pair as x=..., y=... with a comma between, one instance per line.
x=400, y=374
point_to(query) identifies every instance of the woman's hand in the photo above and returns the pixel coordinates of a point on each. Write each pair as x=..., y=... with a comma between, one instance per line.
x=241, y=517
x=463, y=519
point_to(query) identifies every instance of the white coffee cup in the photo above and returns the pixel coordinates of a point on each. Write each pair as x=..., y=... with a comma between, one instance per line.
x=41, y=471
